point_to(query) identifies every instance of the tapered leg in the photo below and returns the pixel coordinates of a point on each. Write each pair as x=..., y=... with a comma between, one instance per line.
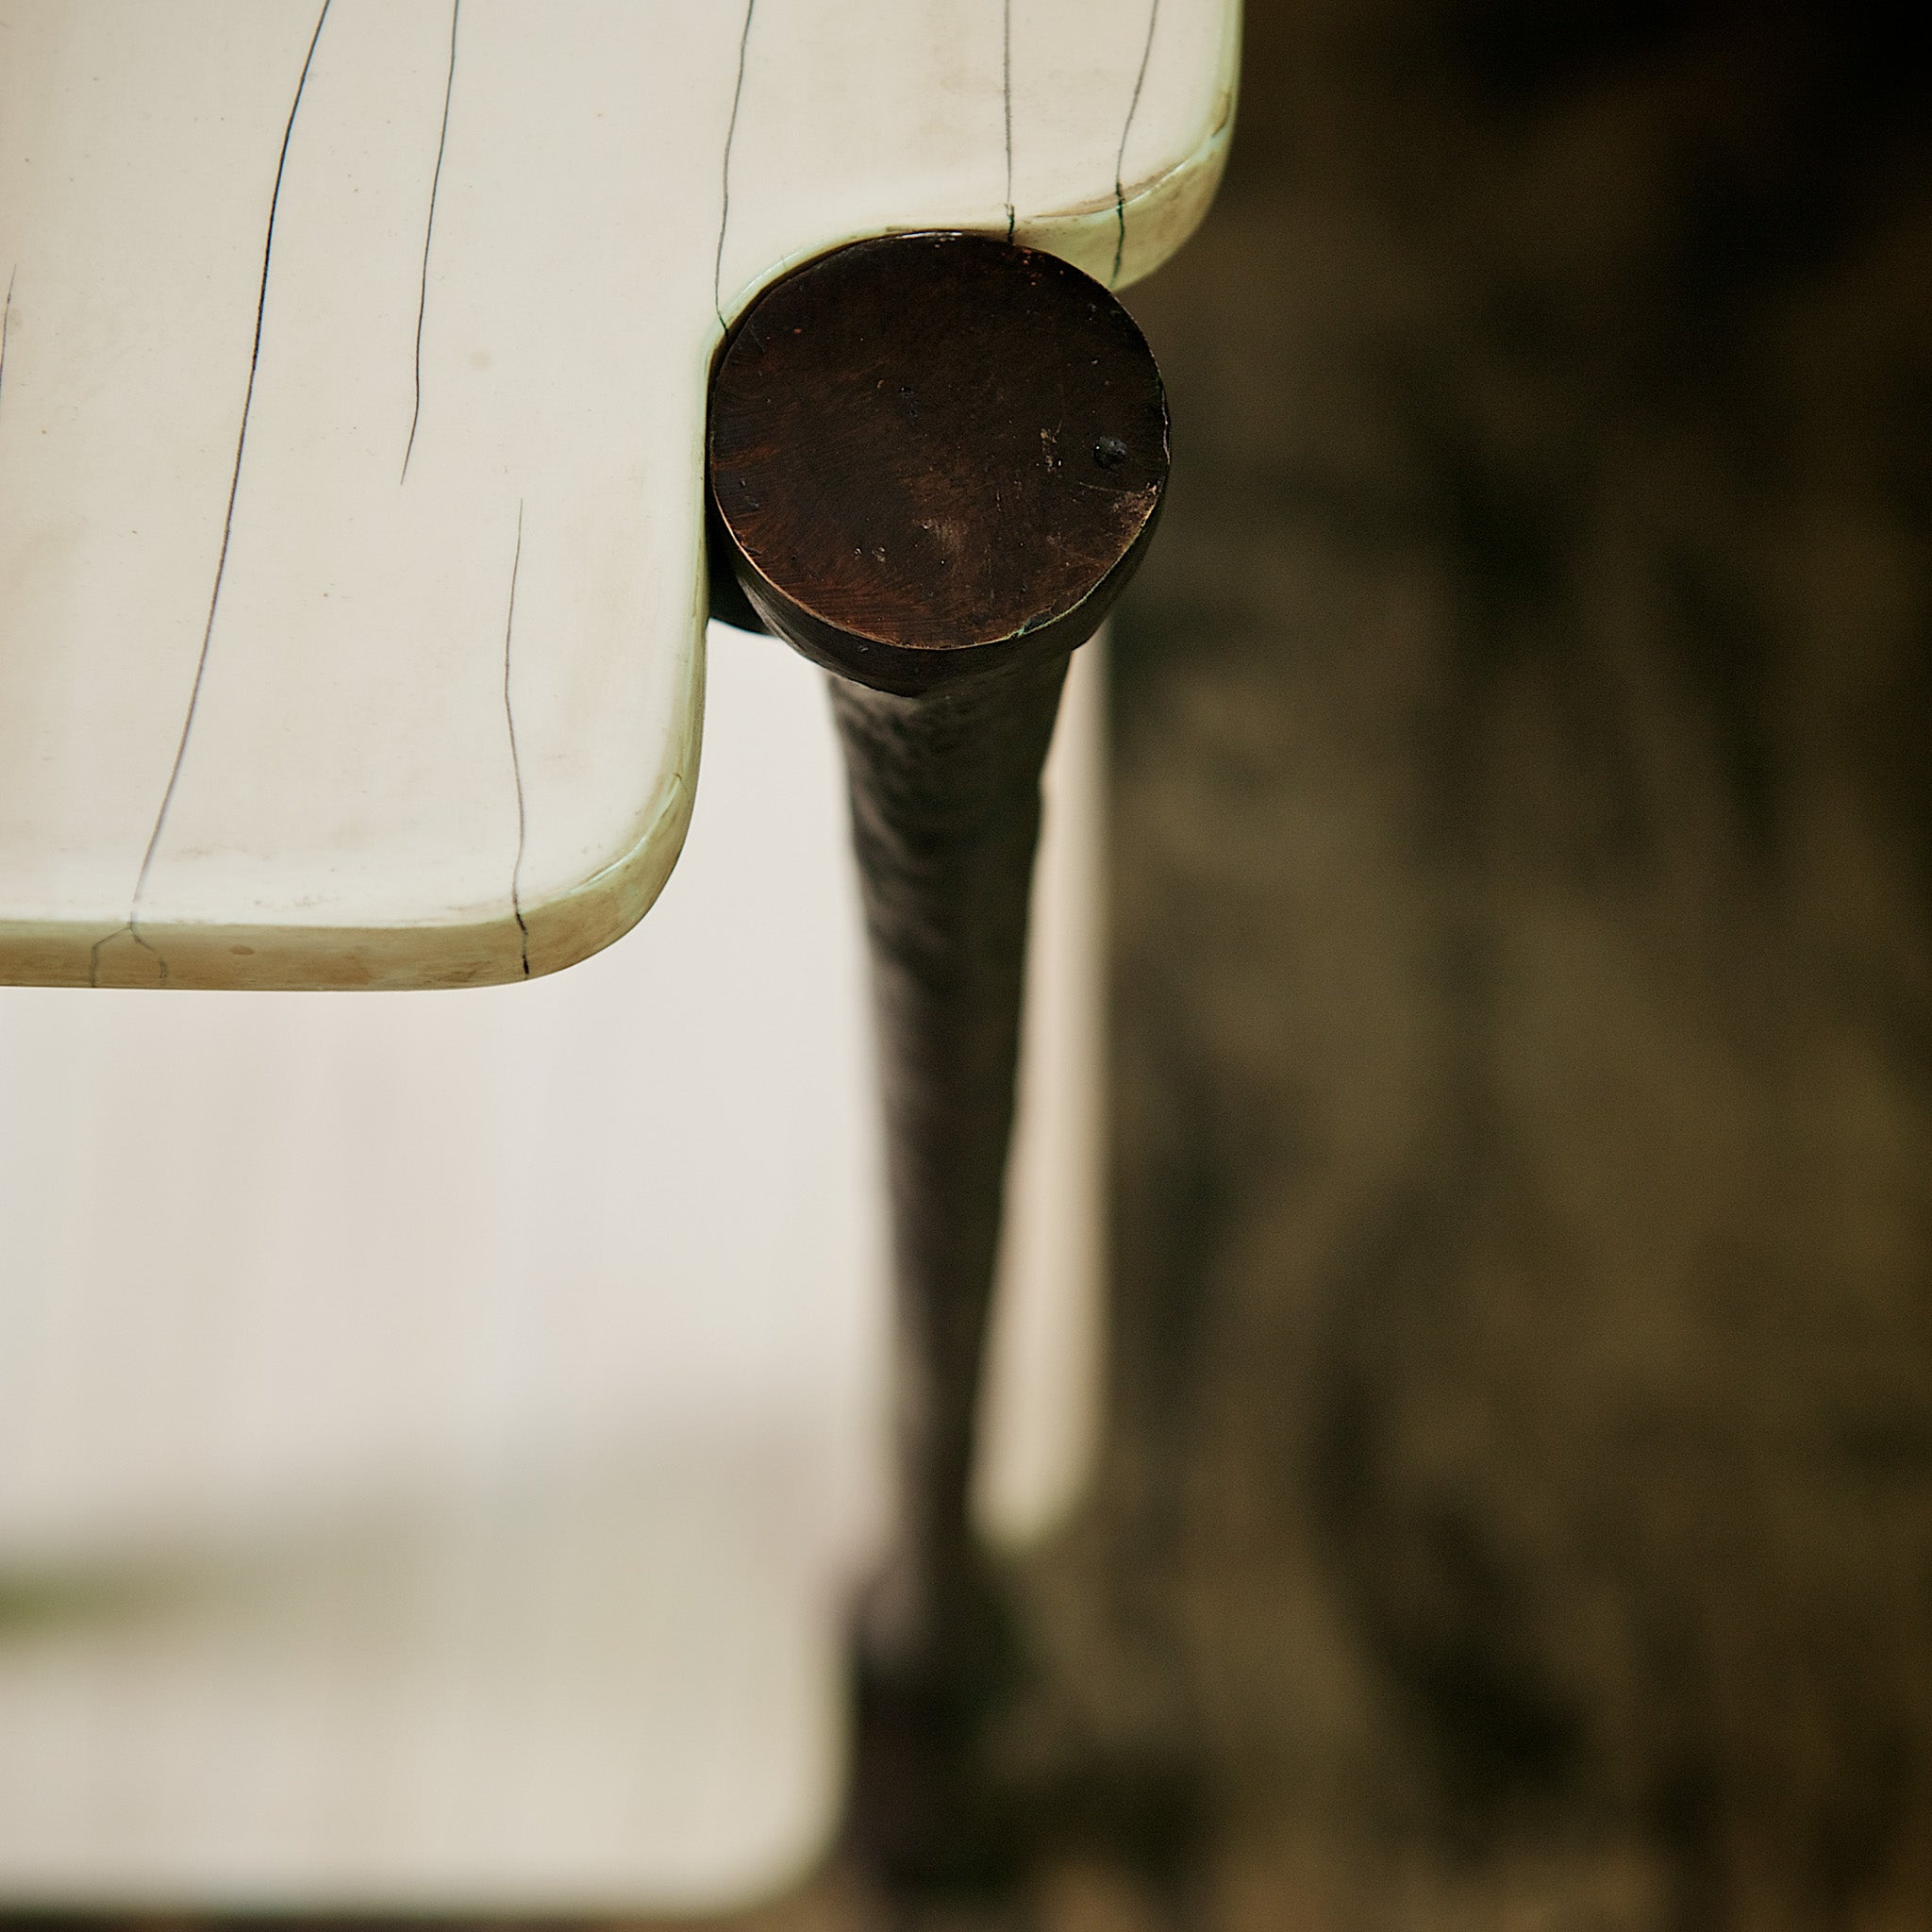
x=934, y=461
x=945, y=817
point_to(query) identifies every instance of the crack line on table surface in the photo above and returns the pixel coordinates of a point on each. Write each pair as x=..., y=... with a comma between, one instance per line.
x=449, y=83
x=6, y=321
x=725, y=200
x=516, y=768
x=93, y=957
x=227, y=521
x=1006, y=82
x=1120, y=159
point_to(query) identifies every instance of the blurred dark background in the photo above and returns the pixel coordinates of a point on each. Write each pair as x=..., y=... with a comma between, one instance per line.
x=1523, y=929
x=1517, y=1511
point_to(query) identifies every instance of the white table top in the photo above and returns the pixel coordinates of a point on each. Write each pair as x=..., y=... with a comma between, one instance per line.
x=350, y=402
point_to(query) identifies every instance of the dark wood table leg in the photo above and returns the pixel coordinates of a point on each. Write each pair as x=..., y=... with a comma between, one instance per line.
x=945, y=817
x=934, y=461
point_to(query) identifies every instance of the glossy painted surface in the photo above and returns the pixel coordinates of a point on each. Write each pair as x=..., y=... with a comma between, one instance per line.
x=350, y=412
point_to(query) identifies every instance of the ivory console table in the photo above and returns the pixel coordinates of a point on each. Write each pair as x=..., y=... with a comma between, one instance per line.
x=351, y=426
x=354, y=371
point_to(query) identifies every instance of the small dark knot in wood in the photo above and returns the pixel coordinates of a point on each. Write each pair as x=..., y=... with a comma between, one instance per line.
x=934, y=453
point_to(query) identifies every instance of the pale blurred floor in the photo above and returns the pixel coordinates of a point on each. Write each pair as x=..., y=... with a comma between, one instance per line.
x=440, y=1433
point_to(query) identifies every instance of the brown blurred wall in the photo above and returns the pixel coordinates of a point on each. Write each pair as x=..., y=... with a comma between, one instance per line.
x=1522, y=1485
